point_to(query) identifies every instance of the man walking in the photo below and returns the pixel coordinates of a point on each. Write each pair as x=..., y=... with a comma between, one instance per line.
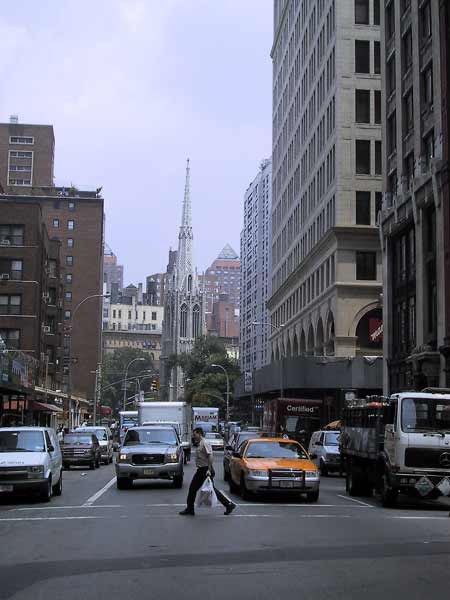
x=204, y=464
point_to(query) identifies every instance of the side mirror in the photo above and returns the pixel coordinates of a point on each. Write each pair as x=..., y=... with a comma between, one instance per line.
x=51, y=448
x=313, y=456
x=237, y=455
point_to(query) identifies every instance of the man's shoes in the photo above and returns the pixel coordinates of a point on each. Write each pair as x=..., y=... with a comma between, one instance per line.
x=230, y=508
x=187, y=512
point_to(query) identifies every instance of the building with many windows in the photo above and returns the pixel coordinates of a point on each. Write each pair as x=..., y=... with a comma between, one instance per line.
x=112, y=273
x=326, y=174
x=414, y=53
x=256, y=273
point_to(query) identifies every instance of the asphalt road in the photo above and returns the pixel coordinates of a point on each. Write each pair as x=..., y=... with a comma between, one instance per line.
x=96, y=542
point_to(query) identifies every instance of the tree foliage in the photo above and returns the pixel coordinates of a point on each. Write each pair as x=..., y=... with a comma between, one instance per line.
x=113, y=375
x=206, y=385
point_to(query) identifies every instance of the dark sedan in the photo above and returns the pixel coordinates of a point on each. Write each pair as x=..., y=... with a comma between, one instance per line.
x=233, y=444
x=79, y=449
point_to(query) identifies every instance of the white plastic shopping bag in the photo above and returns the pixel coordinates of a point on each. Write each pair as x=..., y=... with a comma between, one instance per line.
x=206, y=495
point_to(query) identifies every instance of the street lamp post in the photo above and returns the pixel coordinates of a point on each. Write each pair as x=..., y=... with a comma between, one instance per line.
x=139, y=358
x=278, y=329
x=69, y=374
x=227, y=417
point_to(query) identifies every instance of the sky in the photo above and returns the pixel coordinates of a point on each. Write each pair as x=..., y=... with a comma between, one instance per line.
x=133, y=88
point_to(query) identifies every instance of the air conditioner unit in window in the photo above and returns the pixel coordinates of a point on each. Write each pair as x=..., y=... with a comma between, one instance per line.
x=60, y=303
x=46, y=329
x=5, y=242
x=46, y=297
x=4, y=276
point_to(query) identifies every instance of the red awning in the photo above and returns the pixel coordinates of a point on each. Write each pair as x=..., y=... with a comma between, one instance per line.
x=45, y=407
x=105, y=411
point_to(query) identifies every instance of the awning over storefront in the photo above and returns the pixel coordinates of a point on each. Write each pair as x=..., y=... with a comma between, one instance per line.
x=45, y=407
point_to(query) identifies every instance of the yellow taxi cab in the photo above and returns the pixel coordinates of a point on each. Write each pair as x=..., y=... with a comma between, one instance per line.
x=264, y=465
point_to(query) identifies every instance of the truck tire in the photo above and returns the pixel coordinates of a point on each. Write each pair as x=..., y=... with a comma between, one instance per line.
x=57, y=489
x=312, y=496
x=178, y=481
x=46, y=492
x=123, y=483
x=388, y=494
x=323, y=469
x=352, y=482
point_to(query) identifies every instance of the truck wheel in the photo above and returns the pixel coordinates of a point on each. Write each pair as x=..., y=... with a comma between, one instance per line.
x=178, y=481
x=312, y=496
x=389, y=495
x=92, y=465
x=46, y=493
x=57, y=489
x=123, y=483
x=352, y=483
x=323, y=469
x=66, y=466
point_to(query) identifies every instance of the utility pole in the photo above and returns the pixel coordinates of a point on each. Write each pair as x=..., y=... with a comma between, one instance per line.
x=98, y=390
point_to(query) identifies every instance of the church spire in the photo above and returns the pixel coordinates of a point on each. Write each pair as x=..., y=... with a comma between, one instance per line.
x=185, y=268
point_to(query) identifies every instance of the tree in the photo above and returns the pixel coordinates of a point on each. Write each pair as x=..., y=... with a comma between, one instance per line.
x=205, y=385
x=113, y=375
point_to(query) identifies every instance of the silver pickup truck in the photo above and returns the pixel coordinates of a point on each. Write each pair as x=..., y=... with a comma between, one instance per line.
x=150, y=452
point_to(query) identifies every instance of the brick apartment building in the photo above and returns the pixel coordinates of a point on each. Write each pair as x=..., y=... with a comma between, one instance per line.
x=31, y=293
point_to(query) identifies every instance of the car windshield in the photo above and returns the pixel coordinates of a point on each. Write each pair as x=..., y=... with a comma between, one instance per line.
x=213, y=436
x=78, y=439
x=22, y=441
x=425, y=414
x=332, y=439
x=100, y=433
x=275, y=450
x=136, y=437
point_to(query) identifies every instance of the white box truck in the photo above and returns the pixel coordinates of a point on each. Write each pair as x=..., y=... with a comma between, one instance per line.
x=205, y=417
x=170, y=413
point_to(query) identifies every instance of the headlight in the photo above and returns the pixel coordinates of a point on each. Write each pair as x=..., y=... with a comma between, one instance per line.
x=312, y=474
x=257, y=473
x=171, y=458
x=123, y=457
x=37, y=471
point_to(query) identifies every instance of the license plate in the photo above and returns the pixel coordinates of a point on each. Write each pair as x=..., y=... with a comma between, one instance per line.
x=6, y=488
x=286, y=484
x=149, y=472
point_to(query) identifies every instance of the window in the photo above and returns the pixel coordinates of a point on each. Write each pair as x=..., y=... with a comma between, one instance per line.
x=378, y=203
x=11, y=337
x=11, y=267
x=10, y=305
x=428, y=147
x=16, y=154
x=56, y=223
x=68, y=296
x=21, y=140
x=363, y=208
x=362, y=108
x=366, y=266
x=11, y=235
x=377, y=107
x=390, y=76
x=196, y=329
x=409, y=167
x=69, y=260
x=153, y=316
x=376, y=58
x=120, y=313
x=427, y=87
x=71, y=205
x=68, y=277
x=407, y=51
x=377, y=157
x=52, y=296
x=362, y=56
x=390, y=20
x=376, y=12
x=67, y=315
x=70, y=224
x=408, y=112
x=129, y=314
x=19, y=181
x=362, y=12
x=363, y=157
x=183, y=321
x=425, y=21
x=392, y=133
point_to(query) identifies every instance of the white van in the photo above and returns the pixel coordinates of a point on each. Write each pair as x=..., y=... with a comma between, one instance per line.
x=30, y=461
x=105, y=440
x=324, y=451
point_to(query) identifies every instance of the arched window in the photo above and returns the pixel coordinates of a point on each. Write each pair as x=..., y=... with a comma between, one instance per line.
x=183, y=321
x=189, y=284
x=196, y=321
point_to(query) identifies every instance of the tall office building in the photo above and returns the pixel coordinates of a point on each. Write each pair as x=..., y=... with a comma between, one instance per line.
x=326, y=174
x=222, y=277
x=112, y=273
x=256, y=271
x=26, y=154
x=414, y=51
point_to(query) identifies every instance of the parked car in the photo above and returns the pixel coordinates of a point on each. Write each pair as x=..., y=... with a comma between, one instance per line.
x=81, y=448
x=274, y=465
x=233, y=444
x=215, y=440
x=105, y=439
x=150, y=453
x=324, y=451
x=30, y=461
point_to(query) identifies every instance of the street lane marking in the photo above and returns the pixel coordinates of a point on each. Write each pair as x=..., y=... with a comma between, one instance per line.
x=354, y=500
x=66, y=507
x=100, y=493
x=71, y=518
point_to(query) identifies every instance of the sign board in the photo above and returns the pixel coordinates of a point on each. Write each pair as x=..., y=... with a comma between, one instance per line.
x=375, y=331
x=248, y=381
